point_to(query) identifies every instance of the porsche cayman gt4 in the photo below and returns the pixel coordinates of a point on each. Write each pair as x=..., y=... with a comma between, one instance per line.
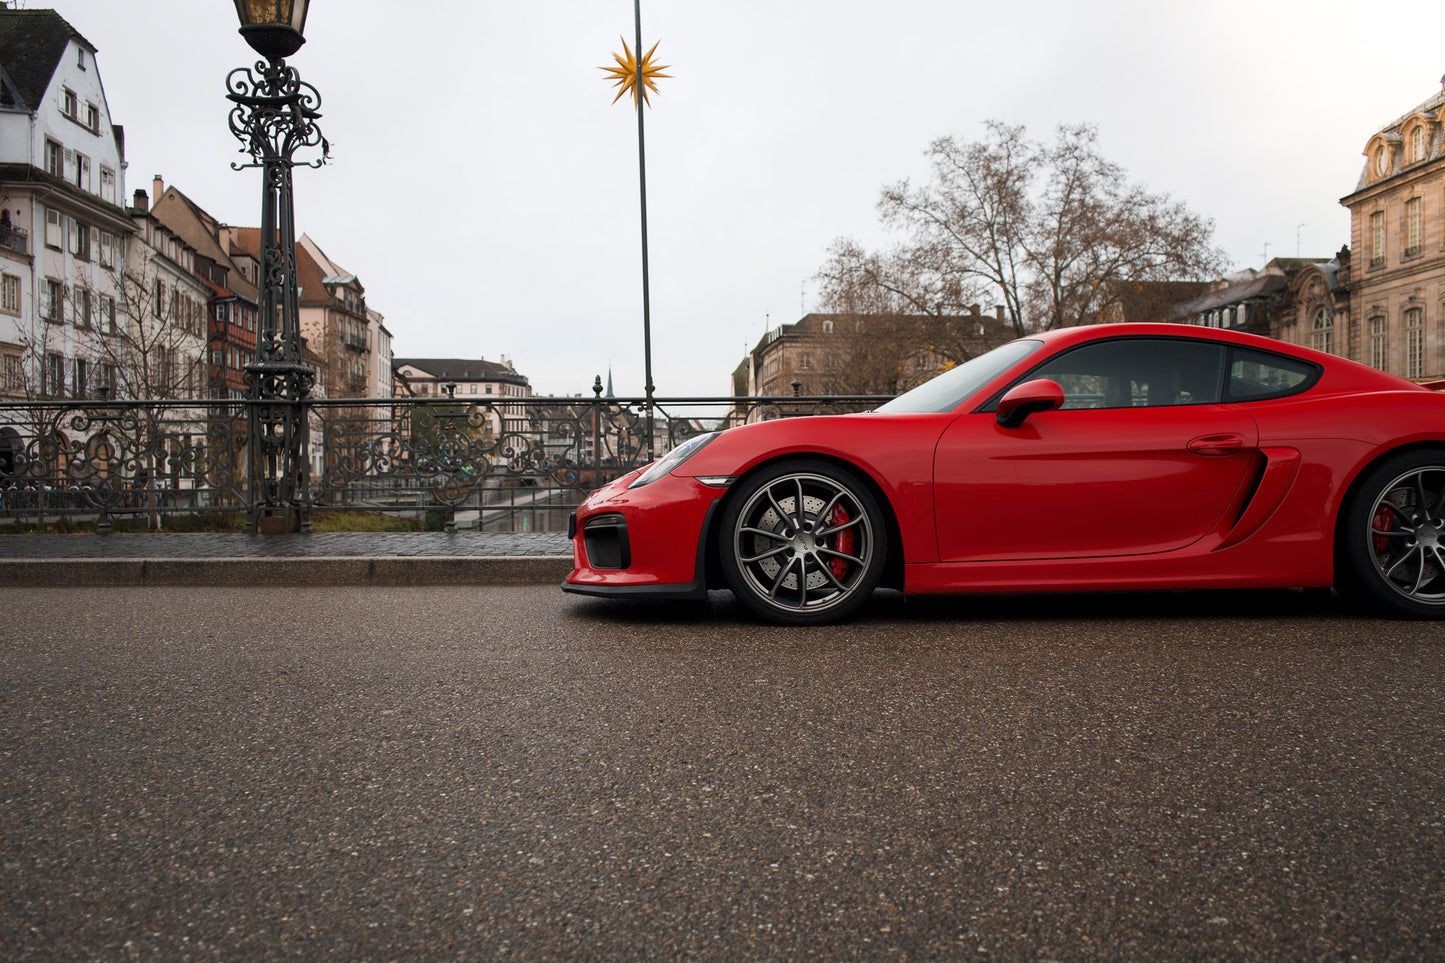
x=1112, y=457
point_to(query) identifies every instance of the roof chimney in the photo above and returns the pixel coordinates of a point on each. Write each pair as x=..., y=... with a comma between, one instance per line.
x=158, y=187
x=140, y=203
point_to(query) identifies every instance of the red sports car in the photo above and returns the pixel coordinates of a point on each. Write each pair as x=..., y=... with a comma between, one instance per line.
x=1090, y=458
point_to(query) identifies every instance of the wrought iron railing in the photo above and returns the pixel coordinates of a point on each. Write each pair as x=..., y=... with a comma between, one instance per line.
x=14, y=239
x=507, y=464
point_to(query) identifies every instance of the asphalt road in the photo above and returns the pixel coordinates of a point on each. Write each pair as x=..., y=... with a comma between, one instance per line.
x=511, y=773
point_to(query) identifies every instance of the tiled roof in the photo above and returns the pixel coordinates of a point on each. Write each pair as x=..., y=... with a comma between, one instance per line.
x=197, y=227
x=461, y=369
x=31, y=45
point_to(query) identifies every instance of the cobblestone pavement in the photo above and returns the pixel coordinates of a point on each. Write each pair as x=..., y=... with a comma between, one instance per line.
x=341, y=545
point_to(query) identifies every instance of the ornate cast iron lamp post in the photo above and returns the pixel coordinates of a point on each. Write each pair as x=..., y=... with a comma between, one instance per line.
x=274, y=116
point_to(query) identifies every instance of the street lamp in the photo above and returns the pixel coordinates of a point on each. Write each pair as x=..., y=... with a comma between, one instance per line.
x=274, y=116
x=273, y=28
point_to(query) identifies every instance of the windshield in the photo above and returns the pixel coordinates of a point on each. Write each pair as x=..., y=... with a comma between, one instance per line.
x=956, y=385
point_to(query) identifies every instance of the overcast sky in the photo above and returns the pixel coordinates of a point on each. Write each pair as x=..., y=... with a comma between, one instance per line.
x=484, y=187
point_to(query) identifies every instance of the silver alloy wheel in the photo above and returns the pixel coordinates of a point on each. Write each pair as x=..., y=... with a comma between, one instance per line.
x=804, y=544
x=1406, y=535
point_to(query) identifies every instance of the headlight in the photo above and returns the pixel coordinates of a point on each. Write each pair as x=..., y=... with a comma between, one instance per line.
x=673, y=459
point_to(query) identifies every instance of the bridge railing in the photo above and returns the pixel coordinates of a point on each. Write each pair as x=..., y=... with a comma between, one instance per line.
x=493, y=464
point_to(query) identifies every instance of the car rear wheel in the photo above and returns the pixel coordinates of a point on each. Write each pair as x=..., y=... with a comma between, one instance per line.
x=1395, y=536
x=803, y=543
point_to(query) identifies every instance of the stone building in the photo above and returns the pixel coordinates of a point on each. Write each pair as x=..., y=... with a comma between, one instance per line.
x=1396, y=284
x=831, y=354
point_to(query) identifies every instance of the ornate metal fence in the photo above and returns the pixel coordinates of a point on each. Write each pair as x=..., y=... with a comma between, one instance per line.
x=503, y=464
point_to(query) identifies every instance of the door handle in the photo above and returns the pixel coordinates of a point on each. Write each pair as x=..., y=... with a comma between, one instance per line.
x=1225, y=444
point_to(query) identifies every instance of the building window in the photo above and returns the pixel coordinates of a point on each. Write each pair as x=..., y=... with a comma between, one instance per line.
x=1413, y=226
x=1324, y=331
x=1417, y=144
x=69, y=103
x=54, y=158
x=92, y=117
x=54, y=300
x=79, y=240
x=107, y=185
x=1380, y=343
x=105, y=380
x=107, y=249
x=54, y=376
x=1377, y=239
x=10, y=293
x=107, y=314
x=54, y=229
x=12, y=372
x=82, y=307
x=1415, y=333
x=78, y=372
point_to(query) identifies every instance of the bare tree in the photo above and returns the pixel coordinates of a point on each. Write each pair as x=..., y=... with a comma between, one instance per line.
x=152, y=334
x=1047, y=230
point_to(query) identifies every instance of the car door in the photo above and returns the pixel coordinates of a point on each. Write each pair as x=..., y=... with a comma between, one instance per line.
x=1141, y=458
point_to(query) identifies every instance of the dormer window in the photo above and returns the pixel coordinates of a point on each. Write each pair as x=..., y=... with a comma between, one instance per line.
x=1382, y=160
x=1418, y=144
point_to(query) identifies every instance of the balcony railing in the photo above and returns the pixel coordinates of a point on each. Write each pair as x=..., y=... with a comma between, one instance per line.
x=14, y=239
x=515, y=464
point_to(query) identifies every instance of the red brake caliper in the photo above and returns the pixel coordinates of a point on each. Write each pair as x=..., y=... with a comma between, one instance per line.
x=1382, y=522
x=843, y=542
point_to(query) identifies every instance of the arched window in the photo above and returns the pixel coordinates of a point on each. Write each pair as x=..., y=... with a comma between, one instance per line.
x=1417, y=144
x=1324, y=331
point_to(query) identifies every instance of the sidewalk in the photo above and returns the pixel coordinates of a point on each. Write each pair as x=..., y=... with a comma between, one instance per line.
x=431, y=558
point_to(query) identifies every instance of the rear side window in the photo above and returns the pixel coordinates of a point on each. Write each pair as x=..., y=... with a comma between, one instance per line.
x=1258, y=375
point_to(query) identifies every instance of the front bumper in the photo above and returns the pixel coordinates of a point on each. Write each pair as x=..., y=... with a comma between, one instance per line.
x=648, y=542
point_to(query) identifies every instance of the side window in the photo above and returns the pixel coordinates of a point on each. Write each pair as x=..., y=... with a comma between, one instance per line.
x=1138, y=373
x=1256, y=375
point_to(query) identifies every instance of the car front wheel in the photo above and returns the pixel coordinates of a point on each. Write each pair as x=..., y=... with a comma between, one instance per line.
x=1395, y=536
x=803, y=543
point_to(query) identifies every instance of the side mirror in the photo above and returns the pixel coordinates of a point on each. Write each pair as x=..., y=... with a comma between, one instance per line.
x=1026, y=399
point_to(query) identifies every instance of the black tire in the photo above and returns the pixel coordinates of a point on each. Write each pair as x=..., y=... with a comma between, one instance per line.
x=1394, y=537
x=803, y=543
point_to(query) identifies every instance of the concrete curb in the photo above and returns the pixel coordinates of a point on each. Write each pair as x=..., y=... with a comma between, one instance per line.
x=322, y=571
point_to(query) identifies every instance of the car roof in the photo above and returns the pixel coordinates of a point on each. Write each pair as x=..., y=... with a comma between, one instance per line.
x=1341, y=374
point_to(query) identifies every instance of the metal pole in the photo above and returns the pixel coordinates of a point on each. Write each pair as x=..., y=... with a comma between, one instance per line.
x=642, y=181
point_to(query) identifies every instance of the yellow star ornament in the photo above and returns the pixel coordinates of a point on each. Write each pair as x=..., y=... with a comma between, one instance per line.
x=628, y=71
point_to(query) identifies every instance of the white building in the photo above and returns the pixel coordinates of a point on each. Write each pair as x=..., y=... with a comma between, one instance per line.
x=62, y=226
